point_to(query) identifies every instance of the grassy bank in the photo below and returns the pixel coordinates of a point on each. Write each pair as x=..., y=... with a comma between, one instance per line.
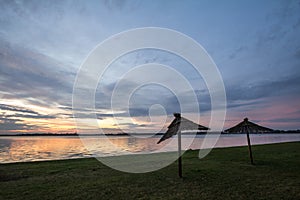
x=223, y=174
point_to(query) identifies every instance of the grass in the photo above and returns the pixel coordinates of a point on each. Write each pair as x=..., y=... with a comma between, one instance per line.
x=224, y=174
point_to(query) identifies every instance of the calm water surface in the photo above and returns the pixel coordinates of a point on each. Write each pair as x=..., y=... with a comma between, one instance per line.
x=28, y=148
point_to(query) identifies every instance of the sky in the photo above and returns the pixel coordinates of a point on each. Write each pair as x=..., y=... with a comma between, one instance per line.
x=255, y=45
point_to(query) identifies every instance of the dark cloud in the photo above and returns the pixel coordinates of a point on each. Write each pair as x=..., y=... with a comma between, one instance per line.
x=67, y=108
x=38, y=116
x=264, y=89
x=4, y=107
x=90, y=114
x=20, y=112
x=15, y=122
x=102, y=115
x=33, y=76
x=8, y=124
x=138, y=112
x=131, y=125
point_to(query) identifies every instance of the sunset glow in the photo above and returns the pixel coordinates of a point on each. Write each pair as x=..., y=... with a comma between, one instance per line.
x=255, y=45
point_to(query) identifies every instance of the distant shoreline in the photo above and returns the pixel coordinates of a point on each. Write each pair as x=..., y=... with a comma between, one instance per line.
x=137, y=134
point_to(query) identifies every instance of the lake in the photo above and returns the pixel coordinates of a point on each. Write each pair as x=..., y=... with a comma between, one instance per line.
x=37, y=148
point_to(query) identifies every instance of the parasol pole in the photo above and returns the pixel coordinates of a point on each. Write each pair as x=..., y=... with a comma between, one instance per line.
x=249, y=144
x=179, y=155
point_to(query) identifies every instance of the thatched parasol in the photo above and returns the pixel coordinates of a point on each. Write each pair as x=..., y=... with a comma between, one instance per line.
x=252, y=128
x=248, y=127
x=180, y=124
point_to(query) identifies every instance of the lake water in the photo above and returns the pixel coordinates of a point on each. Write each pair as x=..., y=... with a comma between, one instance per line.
x=36, y=148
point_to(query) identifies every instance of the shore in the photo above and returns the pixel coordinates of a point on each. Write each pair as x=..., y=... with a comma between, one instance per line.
x=224, y=174
x=137, y=134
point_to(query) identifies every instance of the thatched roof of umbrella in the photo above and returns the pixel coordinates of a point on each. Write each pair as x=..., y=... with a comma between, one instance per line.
x=248, y=127
x=252, y=128
x=180, y=124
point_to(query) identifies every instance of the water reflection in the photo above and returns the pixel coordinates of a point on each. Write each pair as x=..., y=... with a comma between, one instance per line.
x=19, y=149
x=40, y=148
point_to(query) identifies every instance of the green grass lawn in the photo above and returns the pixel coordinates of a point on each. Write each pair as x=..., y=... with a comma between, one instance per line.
x=224, y=174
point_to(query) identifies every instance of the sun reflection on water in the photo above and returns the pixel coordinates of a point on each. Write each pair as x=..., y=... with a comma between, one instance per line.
x=35, y=148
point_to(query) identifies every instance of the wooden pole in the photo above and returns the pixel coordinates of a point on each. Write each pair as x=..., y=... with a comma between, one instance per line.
x=179, y=155
x=249, y=145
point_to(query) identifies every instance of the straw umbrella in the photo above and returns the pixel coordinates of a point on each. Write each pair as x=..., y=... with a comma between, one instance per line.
x=248, y=127
x=177, y=125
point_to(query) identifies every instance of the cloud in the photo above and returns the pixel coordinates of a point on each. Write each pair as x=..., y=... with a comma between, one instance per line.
x=131, y=125
x=42, y=44
x=8, y=124
x=243, y=95
x=21, y=112
x=264, y=89
x=33, y=76
x=38, y=116
x=4, y=107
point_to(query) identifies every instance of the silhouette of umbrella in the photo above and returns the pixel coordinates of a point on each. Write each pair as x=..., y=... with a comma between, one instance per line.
x=177, y=125
x=180, y=124
x=248, y=127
